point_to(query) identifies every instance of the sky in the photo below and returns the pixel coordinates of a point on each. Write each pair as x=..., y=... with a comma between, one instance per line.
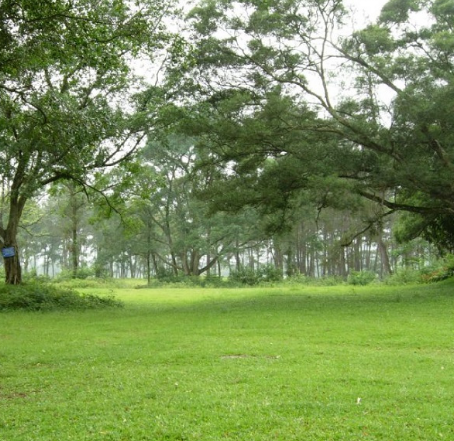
x=366, y=8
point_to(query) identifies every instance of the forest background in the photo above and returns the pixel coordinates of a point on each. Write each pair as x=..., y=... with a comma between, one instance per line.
x=256, y=139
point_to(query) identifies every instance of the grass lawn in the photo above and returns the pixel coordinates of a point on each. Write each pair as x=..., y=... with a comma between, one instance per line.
x=301, y=363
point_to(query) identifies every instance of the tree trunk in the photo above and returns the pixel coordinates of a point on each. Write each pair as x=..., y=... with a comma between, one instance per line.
x=155, y=263
x=357, y=258
x=384, y=257
x=342, y=263
x=13, y=272
x=148, y=267
x=174, y=264
x=132, y=266
x=195, y=262
x=209, y=265
x=237, y=257
x=75, y=250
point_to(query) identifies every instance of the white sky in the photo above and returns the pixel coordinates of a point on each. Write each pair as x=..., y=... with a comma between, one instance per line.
x=365, y=8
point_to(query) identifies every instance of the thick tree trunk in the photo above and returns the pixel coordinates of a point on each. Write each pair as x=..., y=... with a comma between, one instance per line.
x=13, y=272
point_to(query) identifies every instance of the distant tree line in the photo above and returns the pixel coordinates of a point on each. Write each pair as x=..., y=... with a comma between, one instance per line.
x=169, y=233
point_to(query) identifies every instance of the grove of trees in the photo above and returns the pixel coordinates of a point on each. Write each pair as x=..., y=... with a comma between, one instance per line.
x=141, y=139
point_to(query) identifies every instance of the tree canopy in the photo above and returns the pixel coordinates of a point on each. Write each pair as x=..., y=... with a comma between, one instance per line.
x=67, y=107
x=278, y=105
x=366, y=113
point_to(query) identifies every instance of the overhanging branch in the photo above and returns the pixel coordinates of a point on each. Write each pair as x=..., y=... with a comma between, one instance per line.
x=395, y=206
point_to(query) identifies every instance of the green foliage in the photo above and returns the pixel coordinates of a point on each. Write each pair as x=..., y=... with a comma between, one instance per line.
x=165, y=274
x=184, y=281
x=444, y=270
x=252, y=277
x=39, y=296
x=266, y=274
x=443, y=9
x=437, y=271
x=404, y=276
x=386, y=130
x=245, y=276
x=298, y=280
x=105, y=283
x=375, y=39
x=270, y=273
x=166, y=277
x=67, y=110
x=361, y=277
x=82, y=273
x=397, y=11
x=435, y=228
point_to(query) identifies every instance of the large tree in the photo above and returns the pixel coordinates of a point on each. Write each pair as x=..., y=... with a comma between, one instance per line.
x=66, y=88
x=185, y=237
x=381, y=102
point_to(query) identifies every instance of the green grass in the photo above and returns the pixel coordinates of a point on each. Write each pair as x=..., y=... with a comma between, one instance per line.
x=333, y=363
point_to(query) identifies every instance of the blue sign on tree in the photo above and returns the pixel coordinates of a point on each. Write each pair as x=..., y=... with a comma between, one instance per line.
x=8, y=252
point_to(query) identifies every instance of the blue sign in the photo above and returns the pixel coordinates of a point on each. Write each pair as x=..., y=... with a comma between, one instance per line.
x=8, y=252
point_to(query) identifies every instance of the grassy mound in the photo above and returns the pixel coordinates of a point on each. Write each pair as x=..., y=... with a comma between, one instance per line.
x=39, y=296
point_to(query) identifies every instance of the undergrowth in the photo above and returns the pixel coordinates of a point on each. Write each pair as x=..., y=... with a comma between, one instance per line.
x=41, y=296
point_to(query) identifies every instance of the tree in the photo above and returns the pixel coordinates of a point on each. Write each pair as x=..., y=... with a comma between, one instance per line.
x=71, y=206
x=366, y=114
x=182, y=234
x=66, y=95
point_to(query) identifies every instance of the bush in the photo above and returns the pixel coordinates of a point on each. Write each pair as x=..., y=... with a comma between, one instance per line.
x=251, y=277
x=184, y=281
x=361, y=277
x=93, y=283
x=82, y=273
x=297, y=279
x=39, y=296
x=443, y=271
x=245, y=276
x=404, y=277
x=166, y=275
x=269, y=273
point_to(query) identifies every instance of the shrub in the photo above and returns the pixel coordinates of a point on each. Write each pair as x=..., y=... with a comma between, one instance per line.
x=297, y=279
x=251, y=277
x=269, y=273
x=39, y=296
x=245, y=276
x=444, y=270
x=361, y=277
x=404, y=277
x=184, y=281
x=94, y=283
x=82, y=273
